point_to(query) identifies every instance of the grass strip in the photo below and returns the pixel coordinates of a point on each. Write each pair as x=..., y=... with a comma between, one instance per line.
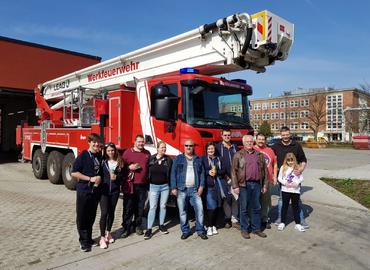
x=358, y=190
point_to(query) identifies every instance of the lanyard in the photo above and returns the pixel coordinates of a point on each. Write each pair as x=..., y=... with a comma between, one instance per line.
x=96, y=163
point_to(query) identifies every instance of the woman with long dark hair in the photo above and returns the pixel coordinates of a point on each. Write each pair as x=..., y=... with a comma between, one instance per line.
x=112, y=169
x=215, y=186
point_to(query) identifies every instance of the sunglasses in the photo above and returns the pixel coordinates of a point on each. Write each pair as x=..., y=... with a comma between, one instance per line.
x=289, y=159
x=189, y=145
x=110, y=145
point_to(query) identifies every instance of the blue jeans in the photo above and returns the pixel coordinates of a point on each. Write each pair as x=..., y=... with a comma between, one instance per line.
x=183, y=199
x=280, y=205
x=249, y=197
x=154, y=192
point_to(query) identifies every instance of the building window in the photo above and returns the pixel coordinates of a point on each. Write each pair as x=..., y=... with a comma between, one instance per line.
x=274, y=116
x=305, y=102
x=256, y=126
x=304, y=114
x=274, y=126
x=282, y=115
x=293, y=126
x=257, y=106
x=274, y=105
x=265, y=106
x=283, y=104
x=293, y=115
x=294, y=103
x=265, y=116
x=334, y=112
x=304, y=125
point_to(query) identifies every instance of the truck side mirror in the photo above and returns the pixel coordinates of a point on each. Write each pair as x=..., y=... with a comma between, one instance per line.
x=165, y=108
x=164, y=103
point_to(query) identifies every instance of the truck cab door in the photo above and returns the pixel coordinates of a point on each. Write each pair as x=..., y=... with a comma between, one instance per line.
x=165, y=108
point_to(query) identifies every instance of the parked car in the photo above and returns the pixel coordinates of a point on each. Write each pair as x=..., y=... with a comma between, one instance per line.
x=272, y=141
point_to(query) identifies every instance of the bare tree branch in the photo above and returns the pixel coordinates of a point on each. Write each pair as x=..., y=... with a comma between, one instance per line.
x=317, y=112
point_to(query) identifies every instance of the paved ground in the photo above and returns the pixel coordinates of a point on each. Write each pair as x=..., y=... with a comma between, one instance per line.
x=38, y=229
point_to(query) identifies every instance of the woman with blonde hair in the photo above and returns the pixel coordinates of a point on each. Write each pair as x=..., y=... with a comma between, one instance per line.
x=159, y=178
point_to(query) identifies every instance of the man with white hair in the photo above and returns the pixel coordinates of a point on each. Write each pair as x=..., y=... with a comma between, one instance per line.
x=249, y=179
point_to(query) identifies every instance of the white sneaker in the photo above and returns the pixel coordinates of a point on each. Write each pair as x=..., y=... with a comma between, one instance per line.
x=305, y=225
x=108, y=238
x=281, y=226
x=214, y=230
x=102, y=243
x=234, y=219
x=209, y=231
x=299, y=227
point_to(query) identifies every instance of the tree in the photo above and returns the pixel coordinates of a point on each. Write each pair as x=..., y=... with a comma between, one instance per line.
x=265, y=129
x=351, y=118
x=317, y=112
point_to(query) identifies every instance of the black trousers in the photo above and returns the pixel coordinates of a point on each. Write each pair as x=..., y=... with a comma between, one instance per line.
x=294, y=198
x=212, y=217
x=108, y=205
x=86, y=206
x=133, y=206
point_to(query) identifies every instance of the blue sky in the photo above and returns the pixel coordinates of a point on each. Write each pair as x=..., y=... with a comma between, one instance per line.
x=332, y=38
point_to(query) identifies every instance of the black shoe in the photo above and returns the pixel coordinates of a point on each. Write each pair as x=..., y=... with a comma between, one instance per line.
x=203, y=236
x=125, y=234
x=93, y=243
x=148, y=234
x=139, y=231
x=85, y=248
x=265, y=225
x=228, y=225
x=163, y=229
x=185, y=236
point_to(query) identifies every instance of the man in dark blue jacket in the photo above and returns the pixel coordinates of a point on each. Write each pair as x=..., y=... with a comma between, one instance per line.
x=86, y=169
x=226, y=150
x=187, y=183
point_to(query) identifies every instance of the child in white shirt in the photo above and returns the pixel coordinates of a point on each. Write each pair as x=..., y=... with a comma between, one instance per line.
x=290, y=190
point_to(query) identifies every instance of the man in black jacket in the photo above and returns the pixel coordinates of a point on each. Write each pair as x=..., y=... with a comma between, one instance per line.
x=281, y=148
x=86, y=169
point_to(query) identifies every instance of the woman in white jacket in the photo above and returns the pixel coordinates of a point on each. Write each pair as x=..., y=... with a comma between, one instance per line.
x=291, y=190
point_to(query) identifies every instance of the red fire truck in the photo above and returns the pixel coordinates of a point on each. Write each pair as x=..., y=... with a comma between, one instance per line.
x=166, y=91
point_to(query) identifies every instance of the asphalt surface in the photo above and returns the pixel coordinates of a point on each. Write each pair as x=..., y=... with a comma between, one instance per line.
x=37, y=224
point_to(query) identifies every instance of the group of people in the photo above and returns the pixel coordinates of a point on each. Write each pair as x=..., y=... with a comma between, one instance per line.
x=236, y=181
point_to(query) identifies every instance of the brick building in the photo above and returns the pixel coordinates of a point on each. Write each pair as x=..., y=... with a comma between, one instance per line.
x=325, y=110
x=23, y=65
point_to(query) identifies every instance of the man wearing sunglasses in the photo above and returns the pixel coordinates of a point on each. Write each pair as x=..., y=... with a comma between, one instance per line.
x=187, y=183
x=226, y=150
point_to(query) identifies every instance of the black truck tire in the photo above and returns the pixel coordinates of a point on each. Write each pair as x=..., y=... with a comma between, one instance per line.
x=67, y=164
x=54, y=167
x=39, y=161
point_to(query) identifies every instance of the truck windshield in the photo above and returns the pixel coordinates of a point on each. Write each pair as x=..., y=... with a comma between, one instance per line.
x=216, y=106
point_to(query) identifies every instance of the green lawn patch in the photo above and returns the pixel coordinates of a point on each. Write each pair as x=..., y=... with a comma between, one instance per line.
x=358, y=190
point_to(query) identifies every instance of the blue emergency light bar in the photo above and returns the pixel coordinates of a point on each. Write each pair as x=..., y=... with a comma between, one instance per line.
x=189, y=71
